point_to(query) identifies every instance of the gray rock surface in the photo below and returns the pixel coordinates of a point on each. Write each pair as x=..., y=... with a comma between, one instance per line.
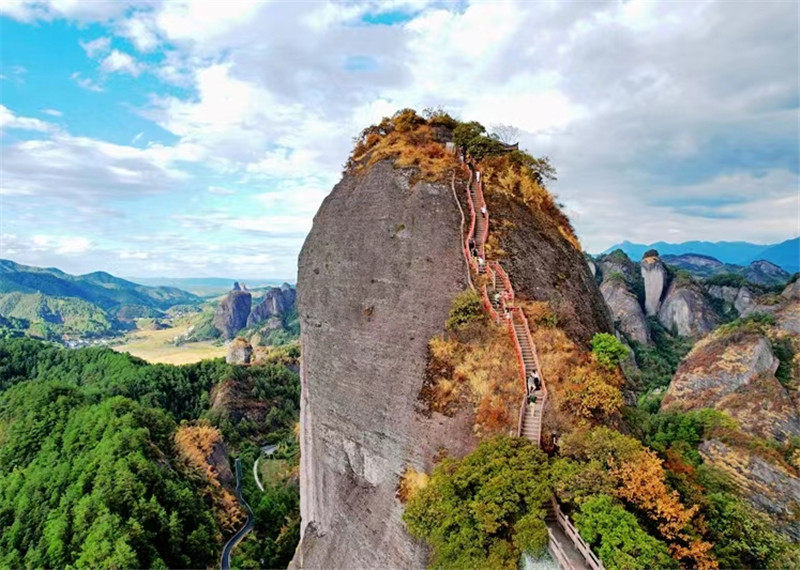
x=654, y=275
x=735, y=373
x=685, y=310
x=792, y=290
x=369, y=298
x=276, y=301
x=625, y=310
x=765, y=273
x=239, y=352
x=770, y=487
x=741, y=298
x=232, y=312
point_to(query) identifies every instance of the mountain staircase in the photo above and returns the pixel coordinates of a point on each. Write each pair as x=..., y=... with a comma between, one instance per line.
x=566, y=546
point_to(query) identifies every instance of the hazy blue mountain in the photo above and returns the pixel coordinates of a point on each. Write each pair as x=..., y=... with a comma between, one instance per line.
x=760, y=272
x=785, y=254
x=99, y=288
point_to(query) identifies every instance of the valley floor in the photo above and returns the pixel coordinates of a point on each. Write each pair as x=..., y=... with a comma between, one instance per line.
x=156, y=346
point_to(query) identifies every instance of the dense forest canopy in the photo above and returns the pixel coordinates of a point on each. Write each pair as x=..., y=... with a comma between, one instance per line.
x=89, y=474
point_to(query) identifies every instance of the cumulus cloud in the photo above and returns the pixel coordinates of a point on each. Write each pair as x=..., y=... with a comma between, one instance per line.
x=665, y=120
x=118, y=61
x=86, y=83
x=8, y=120
x=80, y=169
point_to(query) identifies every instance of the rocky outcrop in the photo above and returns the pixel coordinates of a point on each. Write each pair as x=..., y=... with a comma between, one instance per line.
x=618, y=263
x=735, y=372
x=239, y=352
x=792, y=291
x=741, y=298
x=367, y=312
x=276, y=302
x=695, y=263
x=625, y=310
x=764, y=272
x=654, y=275
x=770, y=486
x=544, y=266
x=685, y=310
x=232, y=312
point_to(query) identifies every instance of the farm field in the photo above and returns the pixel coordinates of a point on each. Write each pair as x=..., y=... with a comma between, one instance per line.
x=156, y=346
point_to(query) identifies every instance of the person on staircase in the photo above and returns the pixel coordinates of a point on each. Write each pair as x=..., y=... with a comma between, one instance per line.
x=483, y=210
x=481, y=265
x=537, y=382
x=471, y=245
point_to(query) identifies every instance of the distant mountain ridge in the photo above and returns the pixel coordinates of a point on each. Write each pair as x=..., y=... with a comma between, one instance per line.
x=48, y=303
x=205, y=286
x=760, y=272
x=785, y=254
x=100, y=288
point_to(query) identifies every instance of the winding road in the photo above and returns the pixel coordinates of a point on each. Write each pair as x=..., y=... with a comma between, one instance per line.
x=225, y=563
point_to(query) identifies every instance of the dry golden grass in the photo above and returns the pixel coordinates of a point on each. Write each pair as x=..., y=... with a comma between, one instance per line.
x=195, y=445
x=409, y=140
x=410, y=483
x=477, y=363
x=503, y=177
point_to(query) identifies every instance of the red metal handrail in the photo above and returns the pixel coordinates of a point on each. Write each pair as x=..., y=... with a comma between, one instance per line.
x=482, y=204
x=498, y=269
x=494, y=269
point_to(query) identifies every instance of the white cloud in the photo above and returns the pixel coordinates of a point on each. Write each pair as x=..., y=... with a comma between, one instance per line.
x=220, y=191
x=63, y=245
x=134, y=255
x=140, y=29
x=52, y=112
x=97, y=47
x=651, y=111
x=81, y=170
x=9, y=120
x=86, y=83
x=118, y=61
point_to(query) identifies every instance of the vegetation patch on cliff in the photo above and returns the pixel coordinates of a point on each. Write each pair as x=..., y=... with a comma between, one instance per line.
x=484, y=510
x=473, y=362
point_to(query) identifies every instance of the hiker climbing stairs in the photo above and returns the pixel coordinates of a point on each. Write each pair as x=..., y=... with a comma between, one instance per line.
x=566, y=546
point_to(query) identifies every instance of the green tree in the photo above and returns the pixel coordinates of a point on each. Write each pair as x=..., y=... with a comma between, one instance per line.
x=480, y=511
x=465, y=308
x=617, y=537
x=608, y=351
x=465, y=132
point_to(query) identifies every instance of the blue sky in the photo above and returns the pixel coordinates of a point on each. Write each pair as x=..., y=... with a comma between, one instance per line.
x=199, y=138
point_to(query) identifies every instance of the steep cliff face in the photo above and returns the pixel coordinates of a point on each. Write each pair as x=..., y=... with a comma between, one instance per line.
x=772, y=487
x=655, y=282
x=625, y=310
x=376, y=278
x=545, y=266
x=742, y=299
x=735, y=373
x=232, y=312
x=276, y=301
x=685, y=310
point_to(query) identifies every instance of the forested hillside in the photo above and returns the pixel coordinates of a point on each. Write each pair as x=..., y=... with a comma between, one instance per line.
x=50, y=304
x=97, y=470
